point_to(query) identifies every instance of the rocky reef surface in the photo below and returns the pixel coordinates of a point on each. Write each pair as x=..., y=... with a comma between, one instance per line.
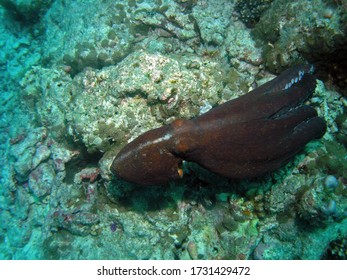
x=80, y=79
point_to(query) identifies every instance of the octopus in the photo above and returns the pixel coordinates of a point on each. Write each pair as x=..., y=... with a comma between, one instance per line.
x=246, y=137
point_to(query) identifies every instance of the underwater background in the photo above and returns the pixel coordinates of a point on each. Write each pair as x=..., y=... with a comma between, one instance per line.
x=81, y=78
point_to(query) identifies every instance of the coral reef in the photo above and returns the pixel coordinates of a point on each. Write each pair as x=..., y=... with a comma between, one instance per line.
x=106, y=39
x=109, y=37
x=141, y=92
x=18, y=53
x=337, y=250
x=250, y=11
x=295, y=31
x=26, y=10
x=80, y=79
x=212, y=18
x=46, y=92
